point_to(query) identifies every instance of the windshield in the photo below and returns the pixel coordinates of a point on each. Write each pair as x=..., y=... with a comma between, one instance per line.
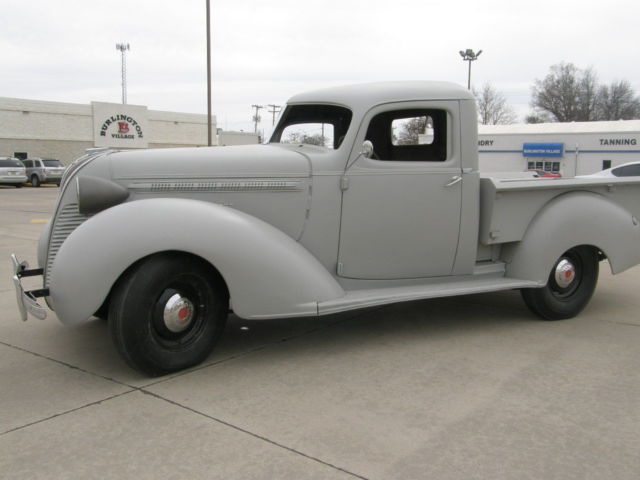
x=52, y=163
x=10, y=162
x=323, y=125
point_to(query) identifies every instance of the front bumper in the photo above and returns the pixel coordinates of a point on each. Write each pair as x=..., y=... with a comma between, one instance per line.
x=27, y=300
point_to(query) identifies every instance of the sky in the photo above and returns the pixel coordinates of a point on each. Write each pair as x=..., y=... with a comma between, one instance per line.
x=263, y=52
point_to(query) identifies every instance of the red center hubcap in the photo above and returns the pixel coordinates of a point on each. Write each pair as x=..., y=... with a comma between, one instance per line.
x=183, y=313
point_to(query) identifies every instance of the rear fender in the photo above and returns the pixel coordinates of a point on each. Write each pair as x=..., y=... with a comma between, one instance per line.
x=268, y=274
x=579, y=218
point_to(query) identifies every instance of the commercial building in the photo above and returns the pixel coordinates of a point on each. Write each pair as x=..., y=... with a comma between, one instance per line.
x=34, y=128
x=576, y=148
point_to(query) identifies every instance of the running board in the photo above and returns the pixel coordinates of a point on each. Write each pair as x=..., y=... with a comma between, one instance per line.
x=382, y=296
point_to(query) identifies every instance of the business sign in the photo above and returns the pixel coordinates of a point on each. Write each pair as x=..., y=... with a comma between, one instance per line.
x=543, y=150
x=120, y=126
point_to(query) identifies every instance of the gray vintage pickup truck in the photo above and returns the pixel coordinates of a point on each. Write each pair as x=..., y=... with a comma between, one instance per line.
x=365, y=195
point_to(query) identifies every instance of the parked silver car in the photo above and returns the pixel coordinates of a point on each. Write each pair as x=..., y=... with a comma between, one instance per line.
x=44, y=170
x=12, y=172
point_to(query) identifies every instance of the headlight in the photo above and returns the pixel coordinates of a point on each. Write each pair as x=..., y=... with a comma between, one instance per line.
x=96, y=194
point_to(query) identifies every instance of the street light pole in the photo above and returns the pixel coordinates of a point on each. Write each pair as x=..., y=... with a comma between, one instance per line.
x=209, y=122
x=469, y=56
x=123, y=47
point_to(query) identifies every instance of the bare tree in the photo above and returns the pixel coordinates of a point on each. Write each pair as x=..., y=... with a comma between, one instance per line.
x=409, y=131
x=305, y=138
x=618, y=102
x=538, y=117
x=492, y=107
x=570, y=94
x=587, y=96
x=560, y=93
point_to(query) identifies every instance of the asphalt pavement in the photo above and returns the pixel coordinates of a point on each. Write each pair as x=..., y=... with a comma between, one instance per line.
x=471, y=387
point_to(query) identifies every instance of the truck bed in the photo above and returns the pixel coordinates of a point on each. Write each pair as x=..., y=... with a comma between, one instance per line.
x=507, y=206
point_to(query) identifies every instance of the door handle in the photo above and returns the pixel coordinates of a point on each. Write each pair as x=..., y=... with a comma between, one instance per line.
x=454, y=180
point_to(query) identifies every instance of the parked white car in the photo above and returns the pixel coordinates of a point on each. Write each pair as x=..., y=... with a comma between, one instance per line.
x=631, y=169
x=12, y=172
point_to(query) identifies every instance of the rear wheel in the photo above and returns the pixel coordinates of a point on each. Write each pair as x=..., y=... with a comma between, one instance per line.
x=167, y=313
x=35, y=181
x=569, y=288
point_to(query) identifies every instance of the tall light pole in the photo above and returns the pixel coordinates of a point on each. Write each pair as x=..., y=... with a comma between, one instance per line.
x=123, y=47
x=209, y=126
x=469, y=56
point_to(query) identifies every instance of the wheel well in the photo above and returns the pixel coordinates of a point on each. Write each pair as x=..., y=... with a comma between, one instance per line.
x=101, y=312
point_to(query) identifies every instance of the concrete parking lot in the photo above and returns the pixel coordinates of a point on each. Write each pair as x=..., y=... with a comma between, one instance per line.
x=461, y=388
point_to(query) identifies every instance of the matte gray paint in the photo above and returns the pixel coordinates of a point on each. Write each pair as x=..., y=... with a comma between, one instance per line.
x=253, y=244
x=268, y=274
x=96, y=194
x=576, y=218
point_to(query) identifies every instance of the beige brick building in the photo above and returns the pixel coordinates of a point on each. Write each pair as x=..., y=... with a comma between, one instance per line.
x=34, y=128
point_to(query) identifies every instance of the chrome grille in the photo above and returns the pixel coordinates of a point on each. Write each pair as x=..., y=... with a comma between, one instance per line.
x=65, y=222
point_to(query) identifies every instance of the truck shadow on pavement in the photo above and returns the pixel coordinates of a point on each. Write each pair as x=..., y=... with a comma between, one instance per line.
x=426, y=324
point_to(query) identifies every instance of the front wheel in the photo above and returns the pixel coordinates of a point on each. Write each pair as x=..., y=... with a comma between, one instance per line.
x=167, y=313
x=571, y=284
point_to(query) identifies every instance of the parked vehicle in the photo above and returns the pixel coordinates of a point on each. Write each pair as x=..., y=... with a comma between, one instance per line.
x=12, y=172
x=631, y=169
x=545, y=174
x=44, y=170
x=365, y=195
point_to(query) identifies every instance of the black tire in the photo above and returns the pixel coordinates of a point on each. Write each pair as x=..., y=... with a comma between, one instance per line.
x=18, y=185
x=144, y=329
x=558, y=301
x=35, y=181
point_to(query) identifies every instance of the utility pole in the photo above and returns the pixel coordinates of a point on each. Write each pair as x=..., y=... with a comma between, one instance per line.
x=123, y=47
x=469, y=56
x=256, y=118
x=275, y=109
x=209, y=122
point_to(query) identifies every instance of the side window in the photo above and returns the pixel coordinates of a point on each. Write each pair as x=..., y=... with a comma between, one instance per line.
x=627, y=171
x=27, y=163
x=409, y=135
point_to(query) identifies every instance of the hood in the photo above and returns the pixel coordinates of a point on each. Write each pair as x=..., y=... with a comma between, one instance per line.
x=269, y=182
x=250, y=161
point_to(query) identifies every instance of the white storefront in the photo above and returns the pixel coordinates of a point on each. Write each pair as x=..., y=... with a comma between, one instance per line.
x=577, y=148
x=33, y=128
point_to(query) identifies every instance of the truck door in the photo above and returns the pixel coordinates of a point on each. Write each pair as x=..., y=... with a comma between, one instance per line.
x=401, y=207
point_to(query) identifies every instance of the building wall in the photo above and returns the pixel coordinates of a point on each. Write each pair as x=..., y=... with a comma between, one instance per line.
x=586, y=146
x=66, y=130
x=238, y=138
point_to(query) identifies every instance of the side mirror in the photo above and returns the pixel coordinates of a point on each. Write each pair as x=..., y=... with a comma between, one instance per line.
x=367, y=149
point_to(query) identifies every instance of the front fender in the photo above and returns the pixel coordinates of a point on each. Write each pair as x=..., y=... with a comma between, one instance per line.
x=579, y=218
x=268, y=274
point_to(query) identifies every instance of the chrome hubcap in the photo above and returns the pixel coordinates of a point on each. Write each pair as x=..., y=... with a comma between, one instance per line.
x=178, y=313
x=565, y=273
